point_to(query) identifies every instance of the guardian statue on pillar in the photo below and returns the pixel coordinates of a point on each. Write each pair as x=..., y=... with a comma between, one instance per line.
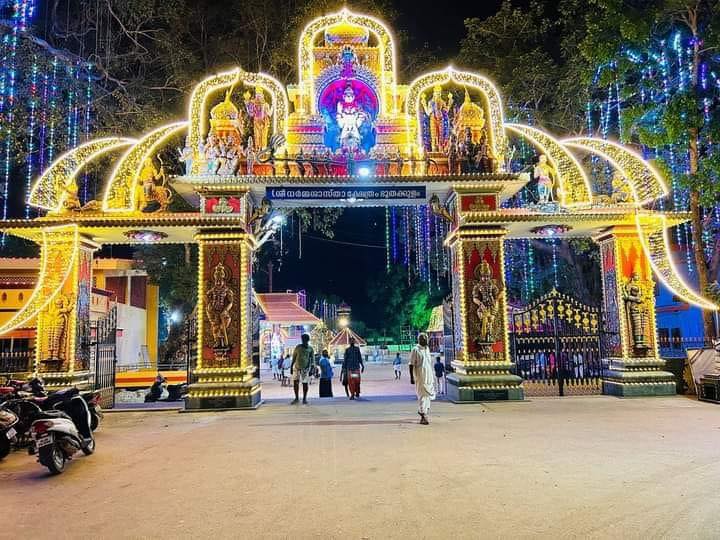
x=58, y=316
x=637, y=314
x=219, y=300
x=486, y=296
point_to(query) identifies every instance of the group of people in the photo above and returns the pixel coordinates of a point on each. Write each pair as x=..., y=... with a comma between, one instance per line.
x=424, y=373
x=303, y=367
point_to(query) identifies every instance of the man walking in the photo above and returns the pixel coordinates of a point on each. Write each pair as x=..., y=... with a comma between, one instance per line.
x=303, y=361
x=440, y=375
x=353, y=366
x=424, y=385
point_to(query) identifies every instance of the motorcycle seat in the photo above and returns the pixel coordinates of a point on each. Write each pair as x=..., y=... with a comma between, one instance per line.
x=51, y=414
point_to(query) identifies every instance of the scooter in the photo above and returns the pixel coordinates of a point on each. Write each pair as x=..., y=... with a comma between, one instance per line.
x=60, y=434
x=25, y=411
x=8, y=431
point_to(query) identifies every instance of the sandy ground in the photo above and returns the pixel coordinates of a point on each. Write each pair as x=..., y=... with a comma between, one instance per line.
x=595, y=467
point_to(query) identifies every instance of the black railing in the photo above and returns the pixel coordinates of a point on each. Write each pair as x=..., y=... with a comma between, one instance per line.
x=17, y=362
x=677, y=347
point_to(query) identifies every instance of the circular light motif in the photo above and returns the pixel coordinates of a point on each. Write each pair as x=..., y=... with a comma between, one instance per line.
x=551, y=230
x=145, y=236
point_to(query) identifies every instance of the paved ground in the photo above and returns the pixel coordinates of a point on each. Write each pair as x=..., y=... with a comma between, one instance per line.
x=595, y=467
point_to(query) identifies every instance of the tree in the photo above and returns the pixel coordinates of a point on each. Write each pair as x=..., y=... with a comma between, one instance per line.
x=669, y=107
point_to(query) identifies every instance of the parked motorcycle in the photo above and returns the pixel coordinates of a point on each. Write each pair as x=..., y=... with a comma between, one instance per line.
x=8, y=431
x=25, y=410
x=59, y=434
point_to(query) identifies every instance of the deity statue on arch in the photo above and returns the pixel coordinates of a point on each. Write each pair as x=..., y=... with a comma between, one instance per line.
x=350, y=118
x=438, y=112
x=546, y=177
x=260, y=112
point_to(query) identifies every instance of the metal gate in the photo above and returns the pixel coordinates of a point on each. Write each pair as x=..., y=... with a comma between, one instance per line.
x=555, y=344
x=104, y=353
x=190, y=345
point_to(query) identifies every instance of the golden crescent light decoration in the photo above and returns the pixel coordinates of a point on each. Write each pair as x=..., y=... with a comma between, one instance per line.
x=306, y=60
x=496, y=134
x=122, y=185
x=653, y=233
x=46, y=193
x=63, y=242
x=644, y=180
x=575, y=187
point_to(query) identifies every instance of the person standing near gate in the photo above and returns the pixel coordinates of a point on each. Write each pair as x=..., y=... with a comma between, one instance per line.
x=440, y=375
x=303, y=361
x=353, y=366
x=326, y=375
x=424, y=384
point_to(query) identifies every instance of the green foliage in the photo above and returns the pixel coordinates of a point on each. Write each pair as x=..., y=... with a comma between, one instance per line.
x=399, y=304
x=174, y=268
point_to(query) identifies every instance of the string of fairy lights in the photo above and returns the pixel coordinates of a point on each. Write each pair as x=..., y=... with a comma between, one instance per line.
x=45, y=108
x=660, y=74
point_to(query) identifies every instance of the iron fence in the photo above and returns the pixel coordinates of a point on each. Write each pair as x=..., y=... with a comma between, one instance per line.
x=16, y=362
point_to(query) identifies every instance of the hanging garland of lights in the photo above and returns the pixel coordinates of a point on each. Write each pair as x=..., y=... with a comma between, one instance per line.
x=56, y=99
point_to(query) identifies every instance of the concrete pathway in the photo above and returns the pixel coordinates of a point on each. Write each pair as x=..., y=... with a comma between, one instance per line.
x=594, y=467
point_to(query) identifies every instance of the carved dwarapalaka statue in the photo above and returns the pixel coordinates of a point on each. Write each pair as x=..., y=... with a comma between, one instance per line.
x=58, y=315
x=636, y=311
x=219, y=301
x=485, y=295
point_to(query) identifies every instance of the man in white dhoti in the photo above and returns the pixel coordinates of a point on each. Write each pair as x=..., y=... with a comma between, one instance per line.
x=424, y=377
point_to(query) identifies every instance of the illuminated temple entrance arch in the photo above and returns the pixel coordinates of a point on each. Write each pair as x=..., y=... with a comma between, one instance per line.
x=250, y=147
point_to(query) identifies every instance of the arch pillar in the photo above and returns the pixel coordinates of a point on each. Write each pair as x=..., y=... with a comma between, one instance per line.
x=63, y=353
x=482, y=364
x=633, y=363
x=224, y=376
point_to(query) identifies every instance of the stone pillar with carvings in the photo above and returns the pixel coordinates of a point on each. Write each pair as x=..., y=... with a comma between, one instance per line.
x=224, y=377
x=63, y=325
x=482, y=362
x=629, y=332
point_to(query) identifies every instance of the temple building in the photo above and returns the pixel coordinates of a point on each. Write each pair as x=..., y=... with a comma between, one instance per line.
x=284, y=319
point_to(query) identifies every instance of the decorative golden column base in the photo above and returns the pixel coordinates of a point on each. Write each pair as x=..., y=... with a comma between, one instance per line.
x=489, y=382
x=227, y=389
x=633, y=377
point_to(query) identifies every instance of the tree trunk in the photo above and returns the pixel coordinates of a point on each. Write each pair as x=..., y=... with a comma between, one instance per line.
x=698, y=246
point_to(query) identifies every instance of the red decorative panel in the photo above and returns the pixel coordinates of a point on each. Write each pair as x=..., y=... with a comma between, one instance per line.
x=478, y=203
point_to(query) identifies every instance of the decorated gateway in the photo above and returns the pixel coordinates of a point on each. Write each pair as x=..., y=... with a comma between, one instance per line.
x=348, y=132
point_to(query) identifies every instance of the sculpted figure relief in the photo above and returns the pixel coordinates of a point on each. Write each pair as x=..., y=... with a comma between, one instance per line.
x=546, y=177
x=260, y=112
x=58, y=316
x=219, y=301
x=437, y=110
x=153, y=193
x=637, y=313
x=486, y=296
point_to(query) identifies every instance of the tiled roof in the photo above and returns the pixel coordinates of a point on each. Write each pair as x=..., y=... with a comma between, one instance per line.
x=283, y=308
